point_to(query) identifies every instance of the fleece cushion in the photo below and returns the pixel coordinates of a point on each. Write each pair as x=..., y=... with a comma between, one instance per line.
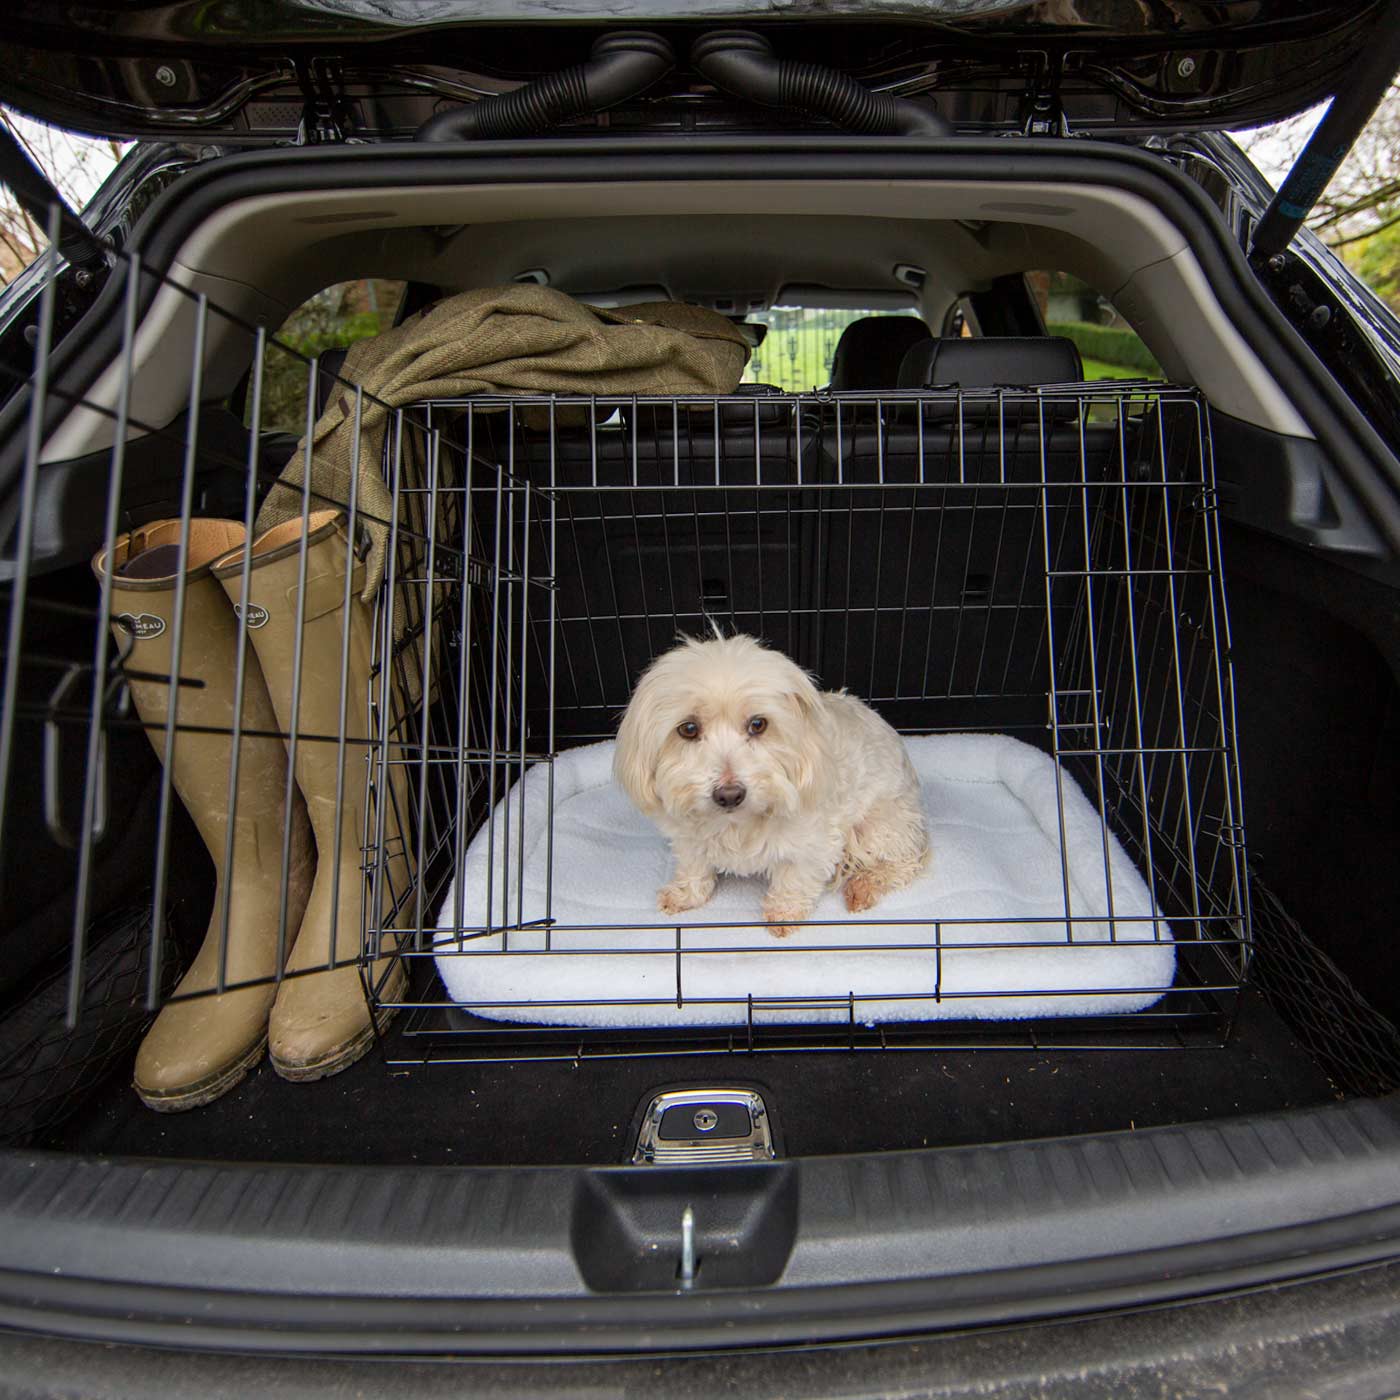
x=1002, y=862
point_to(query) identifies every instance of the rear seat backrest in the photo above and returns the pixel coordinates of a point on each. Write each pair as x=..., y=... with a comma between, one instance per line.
x=975, y=534
x=978, y=436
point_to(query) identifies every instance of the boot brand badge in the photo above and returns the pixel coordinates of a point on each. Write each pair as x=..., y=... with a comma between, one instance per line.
x=142, y=626
x=257, y=614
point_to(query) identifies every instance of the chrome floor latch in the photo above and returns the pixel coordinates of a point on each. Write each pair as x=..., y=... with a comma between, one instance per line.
x=705, y=1127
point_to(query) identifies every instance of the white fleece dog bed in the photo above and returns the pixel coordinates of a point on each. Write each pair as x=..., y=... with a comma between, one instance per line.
x=992, y=804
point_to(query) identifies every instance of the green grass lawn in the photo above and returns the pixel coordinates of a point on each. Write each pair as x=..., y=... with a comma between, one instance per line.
x=1097, y=369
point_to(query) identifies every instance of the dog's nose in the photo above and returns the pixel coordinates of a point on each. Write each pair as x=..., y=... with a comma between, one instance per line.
x=729, y=795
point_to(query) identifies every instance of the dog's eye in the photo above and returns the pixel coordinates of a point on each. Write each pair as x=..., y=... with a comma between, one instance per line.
x=688, y=730
x=757, y=724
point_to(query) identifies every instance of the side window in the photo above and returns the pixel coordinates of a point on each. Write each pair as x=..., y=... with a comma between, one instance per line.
x=1108, y=345
x=797, y=352
x=337, y=316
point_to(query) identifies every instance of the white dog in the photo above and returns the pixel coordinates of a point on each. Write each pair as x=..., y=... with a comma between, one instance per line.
x=749, y=769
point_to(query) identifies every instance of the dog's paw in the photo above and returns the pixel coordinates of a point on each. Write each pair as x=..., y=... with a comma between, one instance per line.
x=780, y=918
x=860, y=893
x=679, y=896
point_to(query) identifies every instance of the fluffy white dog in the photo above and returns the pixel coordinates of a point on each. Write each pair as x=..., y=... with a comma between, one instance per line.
x=749, y=769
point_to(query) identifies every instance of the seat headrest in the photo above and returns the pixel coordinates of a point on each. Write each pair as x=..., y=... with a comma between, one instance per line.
x=985, y=361
x=870, y=351
x=329, y=366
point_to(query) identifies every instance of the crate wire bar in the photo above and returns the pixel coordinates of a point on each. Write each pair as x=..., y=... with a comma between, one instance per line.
x=55, y=815
x=1036, y=562
x=1043, y=563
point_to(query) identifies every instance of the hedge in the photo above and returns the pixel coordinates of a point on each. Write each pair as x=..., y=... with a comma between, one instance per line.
x=1111, y=344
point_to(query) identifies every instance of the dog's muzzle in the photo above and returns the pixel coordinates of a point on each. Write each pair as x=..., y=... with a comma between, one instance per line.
x=729, y=795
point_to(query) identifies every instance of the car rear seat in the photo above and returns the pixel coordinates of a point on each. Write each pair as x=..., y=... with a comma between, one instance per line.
x=980, y=435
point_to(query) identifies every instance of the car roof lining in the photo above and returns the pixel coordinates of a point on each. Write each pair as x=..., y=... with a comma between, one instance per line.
x=261, y=256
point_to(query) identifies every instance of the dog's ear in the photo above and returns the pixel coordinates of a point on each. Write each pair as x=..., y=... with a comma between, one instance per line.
x=639, y=740
x=811, y=754
x=804, y=693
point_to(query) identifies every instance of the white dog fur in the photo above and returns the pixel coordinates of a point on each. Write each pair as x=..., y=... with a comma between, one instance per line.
x=828, y=792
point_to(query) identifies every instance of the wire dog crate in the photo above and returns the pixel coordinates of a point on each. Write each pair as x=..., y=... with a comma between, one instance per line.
x=1039, y=563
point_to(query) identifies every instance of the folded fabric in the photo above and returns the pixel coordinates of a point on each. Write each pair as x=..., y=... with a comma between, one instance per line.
x=1008, y=872
x=515, y=339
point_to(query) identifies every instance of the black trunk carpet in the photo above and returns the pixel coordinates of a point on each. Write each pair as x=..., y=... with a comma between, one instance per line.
x=823, y=1102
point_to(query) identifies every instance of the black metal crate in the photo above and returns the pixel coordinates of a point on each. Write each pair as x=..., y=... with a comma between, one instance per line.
x=1040, y=563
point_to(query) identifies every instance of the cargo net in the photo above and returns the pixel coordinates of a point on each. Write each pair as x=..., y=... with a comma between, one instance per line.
x=1025, y=584
x=331, y=752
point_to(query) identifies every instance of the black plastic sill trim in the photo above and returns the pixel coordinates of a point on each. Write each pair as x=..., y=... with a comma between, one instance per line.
x=1335, y=1336
x=1362, y=457
x=440, y=1260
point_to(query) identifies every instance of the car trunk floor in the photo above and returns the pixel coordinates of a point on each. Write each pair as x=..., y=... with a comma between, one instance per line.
x=539, y=1112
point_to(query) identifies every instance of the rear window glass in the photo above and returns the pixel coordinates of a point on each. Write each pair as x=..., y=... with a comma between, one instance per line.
x=797, y=352
x=337, y=316
x=1107, y=344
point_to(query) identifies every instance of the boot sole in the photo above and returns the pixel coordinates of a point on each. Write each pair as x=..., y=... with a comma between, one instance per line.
x=212, y=1087
x=306, y=1071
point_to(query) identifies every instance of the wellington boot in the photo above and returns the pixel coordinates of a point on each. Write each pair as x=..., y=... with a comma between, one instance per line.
x=198, y=1049
x=320, y=1023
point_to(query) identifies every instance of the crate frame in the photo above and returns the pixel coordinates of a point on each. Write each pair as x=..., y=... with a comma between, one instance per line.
x=528, y=504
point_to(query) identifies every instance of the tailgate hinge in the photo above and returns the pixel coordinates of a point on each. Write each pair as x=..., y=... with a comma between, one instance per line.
x=325, y=119
x=1042, y=112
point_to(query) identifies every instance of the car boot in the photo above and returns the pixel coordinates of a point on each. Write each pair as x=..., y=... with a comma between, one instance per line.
x=321, y=1022
x=203, y=1043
